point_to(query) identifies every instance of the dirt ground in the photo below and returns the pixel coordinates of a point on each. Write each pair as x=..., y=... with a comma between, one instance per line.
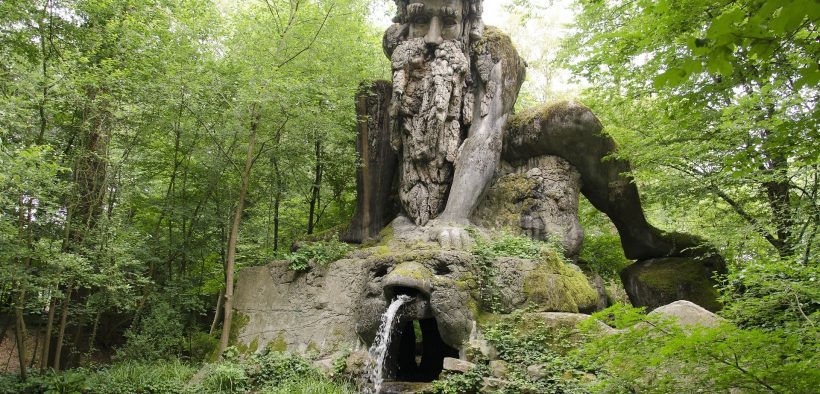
x=9, y=362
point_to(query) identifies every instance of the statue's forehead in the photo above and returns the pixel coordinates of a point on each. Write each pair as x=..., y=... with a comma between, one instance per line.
x=431, y=5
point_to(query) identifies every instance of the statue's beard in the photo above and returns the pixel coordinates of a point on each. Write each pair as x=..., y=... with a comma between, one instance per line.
x=429, y=96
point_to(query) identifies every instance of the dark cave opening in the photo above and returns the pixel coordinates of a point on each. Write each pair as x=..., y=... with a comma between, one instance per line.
x=417, y=352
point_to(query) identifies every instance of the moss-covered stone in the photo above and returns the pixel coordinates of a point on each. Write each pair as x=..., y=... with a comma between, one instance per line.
x=543, y=111
x=238, y=322
x=504, y=202
x=278, y=344
x=553, y=286
x=656, y=282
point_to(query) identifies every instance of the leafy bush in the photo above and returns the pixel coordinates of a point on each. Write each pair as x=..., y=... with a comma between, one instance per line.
x=277, y=367
x=773, y=294
x=319, y=253
x=506, y=244
x=164, y=377
x=307, y=386
x=603, y=254
x=70, y=382
x=225, y=377
x=203, y=346
x=657, y=356
x=469, y=382
x=522, y=342
x=158, y=336
x=122, y=378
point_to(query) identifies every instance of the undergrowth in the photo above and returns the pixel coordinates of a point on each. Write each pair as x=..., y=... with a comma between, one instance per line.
x=319, y=253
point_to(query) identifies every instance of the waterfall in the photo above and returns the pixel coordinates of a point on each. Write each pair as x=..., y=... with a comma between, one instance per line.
x=378, y=351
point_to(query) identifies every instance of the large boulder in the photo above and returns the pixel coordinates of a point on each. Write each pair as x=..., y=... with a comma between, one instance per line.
x=656, y=282
x=550, y=284
x=539, y=197
x=287, y=310
x=686, y=313
x=340, y=305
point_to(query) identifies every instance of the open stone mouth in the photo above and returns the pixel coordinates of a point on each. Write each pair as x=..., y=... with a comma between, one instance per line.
x=417, y=350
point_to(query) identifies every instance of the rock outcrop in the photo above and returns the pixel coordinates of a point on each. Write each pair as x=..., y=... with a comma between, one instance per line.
x=340, y=305
x=688, y=314
x=539, y=197
x=656, y=282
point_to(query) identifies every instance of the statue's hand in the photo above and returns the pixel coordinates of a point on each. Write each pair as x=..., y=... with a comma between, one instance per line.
x=451, y=234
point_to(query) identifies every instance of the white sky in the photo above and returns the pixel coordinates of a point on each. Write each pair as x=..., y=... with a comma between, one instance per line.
x=536, y=38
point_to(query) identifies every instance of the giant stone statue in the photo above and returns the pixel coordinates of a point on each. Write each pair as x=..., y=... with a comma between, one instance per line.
x=445, y=159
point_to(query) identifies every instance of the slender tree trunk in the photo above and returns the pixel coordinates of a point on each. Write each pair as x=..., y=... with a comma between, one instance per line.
x=24, y=218
x=61, y=329
x=277, y=196
x=34, y=351
x=93, y=337
x=218, y=312
x=316, y=188
x=47, y=337
x=234, y=235
x=20, y=331
x=276, y=224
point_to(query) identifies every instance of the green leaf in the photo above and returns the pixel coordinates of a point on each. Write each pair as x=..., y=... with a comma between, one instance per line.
x=724, y=23
x=670, y=78
x=719, y=63
x=809, y=77
x=789, y=18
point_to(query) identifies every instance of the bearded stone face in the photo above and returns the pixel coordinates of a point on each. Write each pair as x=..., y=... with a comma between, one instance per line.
x=429, y=87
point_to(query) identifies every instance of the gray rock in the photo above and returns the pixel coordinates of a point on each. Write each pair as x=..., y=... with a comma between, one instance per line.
x=539, y=197
x=297, y=311
x=536, y=371
x=499, y=369
x=656, y=282
x=456, y=365
x=550, y=284
x=492, y=385
x=324, y=365
x=482, y=347
x=356, y=362
x=687, y=313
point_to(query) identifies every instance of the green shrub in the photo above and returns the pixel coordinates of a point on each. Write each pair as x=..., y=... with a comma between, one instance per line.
x=225, y=377
x=603, y=254
x=203, y=346
x=318, y=253
x=658, y=356
x=69, y=382
x=773, y=294
x=522, y=342
x=158, y=336
x=468, y=382
x=138, y=377
x=307, y=386
x=278, y=367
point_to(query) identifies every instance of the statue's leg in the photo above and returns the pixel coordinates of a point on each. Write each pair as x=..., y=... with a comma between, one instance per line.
x=571, y=131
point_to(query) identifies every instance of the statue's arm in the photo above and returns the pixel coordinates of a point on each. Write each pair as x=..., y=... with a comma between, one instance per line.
x=499, y=73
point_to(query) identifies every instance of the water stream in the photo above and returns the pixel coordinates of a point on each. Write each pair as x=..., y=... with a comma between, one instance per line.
x=378, y=351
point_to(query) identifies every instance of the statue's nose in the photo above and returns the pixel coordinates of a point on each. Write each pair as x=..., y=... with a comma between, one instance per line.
x=433, y=36
x=408, y=278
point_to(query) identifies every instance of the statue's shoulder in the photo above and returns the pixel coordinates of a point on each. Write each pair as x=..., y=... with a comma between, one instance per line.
x=497, y=44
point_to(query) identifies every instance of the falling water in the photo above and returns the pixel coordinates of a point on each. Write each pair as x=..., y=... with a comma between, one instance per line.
x=378, y=351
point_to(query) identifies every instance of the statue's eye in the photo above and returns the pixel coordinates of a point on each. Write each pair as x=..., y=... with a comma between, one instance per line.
x=449, y=21
x=420, y=19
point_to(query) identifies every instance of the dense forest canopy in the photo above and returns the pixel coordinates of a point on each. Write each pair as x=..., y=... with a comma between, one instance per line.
x=147, y=146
